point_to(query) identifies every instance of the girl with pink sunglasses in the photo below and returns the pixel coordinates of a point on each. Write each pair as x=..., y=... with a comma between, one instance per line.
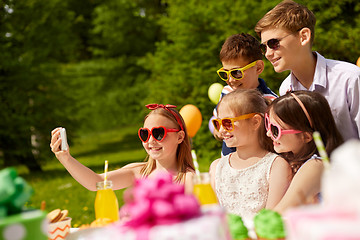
x=165, y=139
x=290, y=122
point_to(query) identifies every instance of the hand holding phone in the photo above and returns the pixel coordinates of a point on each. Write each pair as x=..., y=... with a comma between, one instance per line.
x=63, y=139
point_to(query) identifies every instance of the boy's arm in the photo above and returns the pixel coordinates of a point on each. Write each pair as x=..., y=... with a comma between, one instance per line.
x=355, y=104
x=279, y=180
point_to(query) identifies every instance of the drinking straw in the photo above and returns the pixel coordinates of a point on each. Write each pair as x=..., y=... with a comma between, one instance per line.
x=105, y=173
x=196, y=164
x=321, y=149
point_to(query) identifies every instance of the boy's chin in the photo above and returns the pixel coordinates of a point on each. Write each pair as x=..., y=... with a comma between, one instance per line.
x=235, y=87
x=279, y=69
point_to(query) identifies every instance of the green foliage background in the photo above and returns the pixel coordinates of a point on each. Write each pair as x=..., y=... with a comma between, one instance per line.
x=92, y=65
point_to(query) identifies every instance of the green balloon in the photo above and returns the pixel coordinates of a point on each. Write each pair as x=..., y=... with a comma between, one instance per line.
x=214, y=92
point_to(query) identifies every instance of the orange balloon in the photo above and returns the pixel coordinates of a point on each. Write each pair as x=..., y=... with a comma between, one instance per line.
x=192, y=117
x=358, y=62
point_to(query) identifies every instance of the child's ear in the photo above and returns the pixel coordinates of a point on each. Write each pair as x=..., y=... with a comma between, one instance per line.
x=257, y=121
x=181, y=136
x=307, y=137
x=305, y=36
x=259, y=66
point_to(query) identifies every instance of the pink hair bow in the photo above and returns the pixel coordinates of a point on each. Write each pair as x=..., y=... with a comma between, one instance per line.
x=167, y=107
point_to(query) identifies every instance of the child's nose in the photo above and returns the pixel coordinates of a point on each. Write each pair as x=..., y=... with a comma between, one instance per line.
x=151, y=139
x=269, y=52
x=231, y=79
x=221, y=129
x=268, y=133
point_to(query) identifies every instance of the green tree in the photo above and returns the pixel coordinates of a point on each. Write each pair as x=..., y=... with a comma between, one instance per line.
x=123, y=32
x=337, y=31
x=30, y=99
x=184, y=65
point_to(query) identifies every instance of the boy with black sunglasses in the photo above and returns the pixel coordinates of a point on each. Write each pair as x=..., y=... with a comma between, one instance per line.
x=287, y=34
x=242, y=62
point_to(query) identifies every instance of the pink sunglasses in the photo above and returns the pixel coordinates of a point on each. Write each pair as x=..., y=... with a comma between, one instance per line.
x=276, y=130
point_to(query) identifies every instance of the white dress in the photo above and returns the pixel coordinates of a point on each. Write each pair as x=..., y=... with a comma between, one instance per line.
x=243, y=191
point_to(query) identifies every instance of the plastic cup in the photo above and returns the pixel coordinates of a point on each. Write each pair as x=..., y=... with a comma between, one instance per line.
x=203, y=190
x=59, y=230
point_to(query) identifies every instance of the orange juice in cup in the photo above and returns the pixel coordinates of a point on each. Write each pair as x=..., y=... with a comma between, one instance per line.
x=106, y=203
x=203, y=190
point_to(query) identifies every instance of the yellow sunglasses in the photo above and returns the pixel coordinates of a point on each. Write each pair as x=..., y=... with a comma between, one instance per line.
x=237, y=73
x=228, y=123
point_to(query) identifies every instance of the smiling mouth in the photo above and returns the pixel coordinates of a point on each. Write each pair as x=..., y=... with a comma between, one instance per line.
x=155, y=148
x=275, y=61
x=275, y=143
x=227, y=137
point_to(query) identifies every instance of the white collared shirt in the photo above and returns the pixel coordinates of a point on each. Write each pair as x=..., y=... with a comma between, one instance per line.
x=339, y=83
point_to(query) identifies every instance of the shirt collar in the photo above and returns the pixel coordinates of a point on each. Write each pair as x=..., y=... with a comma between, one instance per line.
x=319, y=76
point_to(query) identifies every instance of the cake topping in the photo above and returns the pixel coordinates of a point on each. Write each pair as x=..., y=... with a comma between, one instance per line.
x=269, y=224
x=237, y=228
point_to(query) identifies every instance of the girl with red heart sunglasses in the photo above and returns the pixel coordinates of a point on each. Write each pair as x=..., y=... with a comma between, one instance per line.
x=165, y=139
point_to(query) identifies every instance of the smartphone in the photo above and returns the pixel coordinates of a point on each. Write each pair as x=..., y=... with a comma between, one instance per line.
x=63, y=139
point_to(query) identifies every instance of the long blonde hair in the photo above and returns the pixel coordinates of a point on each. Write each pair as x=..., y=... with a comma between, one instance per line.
x=183, y=153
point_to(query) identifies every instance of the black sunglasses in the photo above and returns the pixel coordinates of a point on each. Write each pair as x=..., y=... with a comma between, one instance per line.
x=273, y=43
x=158, y=133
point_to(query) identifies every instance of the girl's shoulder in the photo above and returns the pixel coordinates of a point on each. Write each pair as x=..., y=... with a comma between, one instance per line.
x=214, y=163
x=280, y=167
x=311, y=166
x=221, y=160
x=279, y=160
x=313, y=162
x=134, y=165
x=212, y=168
x=135, y=168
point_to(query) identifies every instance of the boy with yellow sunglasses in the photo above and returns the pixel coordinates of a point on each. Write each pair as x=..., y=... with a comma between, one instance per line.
x=242, y=62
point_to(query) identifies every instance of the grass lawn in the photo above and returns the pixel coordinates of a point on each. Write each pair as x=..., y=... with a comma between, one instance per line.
x=58, y=189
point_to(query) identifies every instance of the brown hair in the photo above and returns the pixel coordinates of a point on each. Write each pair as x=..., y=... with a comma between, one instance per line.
x=244, y=101
x=288, y=110
x=241, y=46
x=289, y=15
x=183, y=153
